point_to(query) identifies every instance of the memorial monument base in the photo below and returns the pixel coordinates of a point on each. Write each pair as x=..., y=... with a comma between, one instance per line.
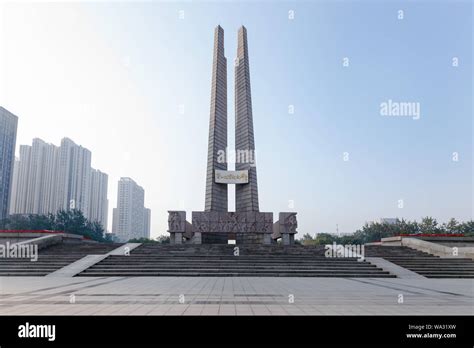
x=222, y=227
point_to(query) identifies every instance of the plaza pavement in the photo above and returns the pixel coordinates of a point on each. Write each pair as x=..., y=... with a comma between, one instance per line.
x=234, y=296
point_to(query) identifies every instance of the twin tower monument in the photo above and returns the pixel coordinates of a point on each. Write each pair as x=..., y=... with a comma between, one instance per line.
x=247, y=225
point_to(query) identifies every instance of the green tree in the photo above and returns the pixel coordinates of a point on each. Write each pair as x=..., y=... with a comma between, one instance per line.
x=467, y=228
x=452, y=226
x=408, y=227
x=41, y=222
x=429, y=225
x=94, y=230
x=163, y=239
x=16, y=222
x=307, y=239
x=324, y=238
x=142, y=240
x=307, y=236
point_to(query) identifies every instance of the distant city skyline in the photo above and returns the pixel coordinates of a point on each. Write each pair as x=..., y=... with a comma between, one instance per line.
x=131, y=83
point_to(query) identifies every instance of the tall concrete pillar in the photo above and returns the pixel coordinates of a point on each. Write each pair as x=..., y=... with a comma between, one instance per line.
x=216, y=194
x=246, y=195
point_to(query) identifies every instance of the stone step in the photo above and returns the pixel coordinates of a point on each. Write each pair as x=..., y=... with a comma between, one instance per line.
x=126, y=259
x=435, y=265
x=55, y=265
x=230, y=264
x=213, y=260
x=427, y=265
x=240, y=269
x=19, y=270
x=171, y=263
x=43, y=257
x=234, y=267
x=25, y=274
x=429, y=259
x=40, y=259
x=446, y=271
x=236, y=274
x=243, y=257
x=449, y=276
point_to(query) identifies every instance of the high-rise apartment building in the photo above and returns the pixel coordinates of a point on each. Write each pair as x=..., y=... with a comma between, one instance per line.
x=130, y=219
x=48, y=178
x=98, y=202
x=36, y=174
x=74, y=176
x=8, y=128
x=146, y=223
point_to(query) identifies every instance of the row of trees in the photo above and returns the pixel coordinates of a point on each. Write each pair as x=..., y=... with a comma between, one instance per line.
x=73, y=221
x=158, y=240
x=70, y=221
x=372, y=232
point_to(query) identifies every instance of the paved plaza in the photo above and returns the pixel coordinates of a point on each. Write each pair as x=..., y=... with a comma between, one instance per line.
x=234, y=296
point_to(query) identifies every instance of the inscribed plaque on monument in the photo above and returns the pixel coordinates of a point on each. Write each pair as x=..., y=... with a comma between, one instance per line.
x=232, y=176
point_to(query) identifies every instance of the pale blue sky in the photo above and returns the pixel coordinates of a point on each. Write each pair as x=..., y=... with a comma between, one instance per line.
x=111, y=76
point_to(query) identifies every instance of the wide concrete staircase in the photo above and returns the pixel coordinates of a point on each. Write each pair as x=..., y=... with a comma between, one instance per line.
x=423, y=263
x=219, y=260
x=52, y=258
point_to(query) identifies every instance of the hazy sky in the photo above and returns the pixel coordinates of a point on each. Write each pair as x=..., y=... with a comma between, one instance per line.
x=113, y=77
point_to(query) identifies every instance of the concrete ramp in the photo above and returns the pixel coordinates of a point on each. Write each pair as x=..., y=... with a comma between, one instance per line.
x=90, y=260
